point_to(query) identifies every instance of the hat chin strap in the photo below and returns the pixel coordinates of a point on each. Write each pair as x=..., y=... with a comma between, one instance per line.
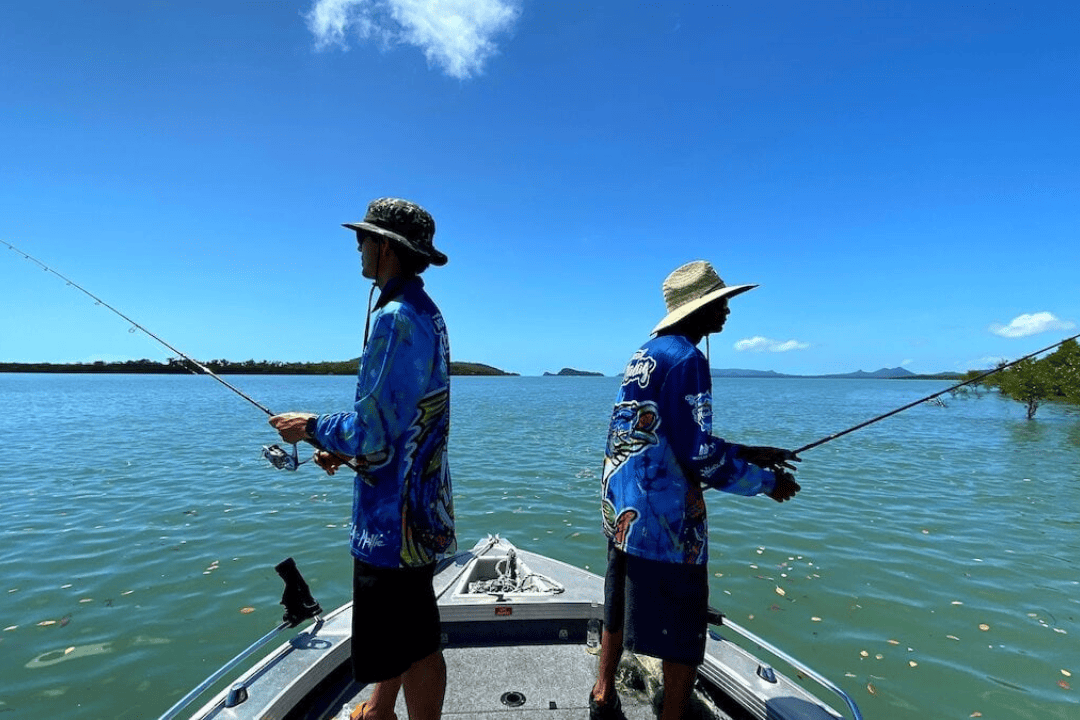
x=370, y=297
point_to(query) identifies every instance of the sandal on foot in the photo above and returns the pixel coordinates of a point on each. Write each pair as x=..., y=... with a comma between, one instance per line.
x=359, y=710
x=611, y=710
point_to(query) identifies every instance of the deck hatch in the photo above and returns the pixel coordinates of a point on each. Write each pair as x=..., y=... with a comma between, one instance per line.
x=512, y=698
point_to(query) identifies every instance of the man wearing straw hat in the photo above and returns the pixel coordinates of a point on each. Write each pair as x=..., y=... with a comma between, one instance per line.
x=403, y=516
x=660, y=455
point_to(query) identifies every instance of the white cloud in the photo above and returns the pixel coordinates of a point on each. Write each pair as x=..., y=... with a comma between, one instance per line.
x=986, y=362
x=763, y=344
x=1033, y=324
x=456, y=35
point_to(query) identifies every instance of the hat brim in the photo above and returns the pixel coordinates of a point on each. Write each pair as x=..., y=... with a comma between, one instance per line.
x=433, y=256
x=687, y=309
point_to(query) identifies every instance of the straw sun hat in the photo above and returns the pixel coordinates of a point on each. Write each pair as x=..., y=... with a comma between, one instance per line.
x=692, y=287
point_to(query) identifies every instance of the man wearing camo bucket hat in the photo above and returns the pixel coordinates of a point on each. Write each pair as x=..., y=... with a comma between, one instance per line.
x=403, y=516
x=661, y=455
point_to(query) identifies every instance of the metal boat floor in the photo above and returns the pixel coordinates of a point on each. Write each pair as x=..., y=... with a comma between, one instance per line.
x=523, y=683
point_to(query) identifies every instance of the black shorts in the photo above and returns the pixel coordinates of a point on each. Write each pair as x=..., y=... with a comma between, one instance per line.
x=660, y=607
x=395, y=620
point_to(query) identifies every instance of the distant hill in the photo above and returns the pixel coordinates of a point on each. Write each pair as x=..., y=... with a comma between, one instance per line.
x=570, y=372
x=887, y=373
x=467, y=368
x=739, y=373
x=896, y=373
x=456, y=368
x=348, y=367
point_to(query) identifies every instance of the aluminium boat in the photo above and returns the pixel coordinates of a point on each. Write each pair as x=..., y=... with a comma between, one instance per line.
x=521, y=635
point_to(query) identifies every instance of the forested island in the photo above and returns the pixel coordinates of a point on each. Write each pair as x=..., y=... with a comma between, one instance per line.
x=176, y=366
x=571, y=372
x=464, y=368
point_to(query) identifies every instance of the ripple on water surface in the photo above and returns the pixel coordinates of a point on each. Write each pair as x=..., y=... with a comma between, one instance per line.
x=929, y=565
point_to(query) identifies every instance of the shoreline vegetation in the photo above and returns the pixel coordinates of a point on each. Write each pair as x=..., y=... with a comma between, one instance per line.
x=1054, y=378
x=226, y=367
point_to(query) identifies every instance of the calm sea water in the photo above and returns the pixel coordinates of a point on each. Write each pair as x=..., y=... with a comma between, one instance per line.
x=930, y=565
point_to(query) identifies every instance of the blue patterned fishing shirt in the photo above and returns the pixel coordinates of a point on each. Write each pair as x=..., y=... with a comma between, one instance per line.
x=661, y=454
x=403, y=514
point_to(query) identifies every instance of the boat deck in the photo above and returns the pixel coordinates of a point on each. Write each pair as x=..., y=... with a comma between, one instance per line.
x=520, y=634
x=549, y=682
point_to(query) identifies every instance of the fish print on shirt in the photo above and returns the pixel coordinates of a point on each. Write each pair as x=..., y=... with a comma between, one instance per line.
x=633, y=429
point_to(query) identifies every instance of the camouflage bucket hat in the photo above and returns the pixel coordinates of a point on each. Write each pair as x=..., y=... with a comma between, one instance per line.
x=403, y=222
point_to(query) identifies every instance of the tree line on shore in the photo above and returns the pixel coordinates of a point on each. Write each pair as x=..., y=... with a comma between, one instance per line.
x=1033, y=382
x=178, y=366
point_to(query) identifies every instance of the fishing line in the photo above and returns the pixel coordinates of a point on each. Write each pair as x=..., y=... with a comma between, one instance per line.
x=975, y=379
x=137, y=326
x=273, y=453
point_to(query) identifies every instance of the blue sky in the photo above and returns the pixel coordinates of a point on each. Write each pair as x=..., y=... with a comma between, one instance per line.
x=901, y=178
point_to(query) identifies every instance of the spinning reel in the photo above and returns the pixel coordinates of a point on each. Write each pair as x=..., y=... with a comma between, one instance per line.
x=281, y=458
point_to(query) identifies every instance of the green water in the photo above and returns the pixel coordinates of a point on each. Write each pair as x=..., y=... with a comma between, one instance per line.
x=929, y=566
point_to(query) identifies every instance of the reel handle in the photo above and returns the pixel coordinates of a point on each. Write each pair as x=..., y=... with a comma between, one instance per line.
x=346, y=461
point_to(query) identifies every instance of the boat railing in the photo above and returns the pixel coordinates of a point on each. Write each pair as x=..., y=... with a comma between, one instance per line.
x=299, y=606
x=206, y=684
x=764, y=671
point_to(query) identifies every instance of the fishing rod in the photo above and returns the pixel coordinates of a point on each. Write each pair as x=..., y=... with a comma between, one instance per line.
x=278, y=457
x=975, y=379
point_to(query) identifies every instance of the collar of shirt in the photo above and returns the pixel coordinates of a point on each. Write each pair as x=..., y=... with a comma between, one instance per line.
x=396, y=286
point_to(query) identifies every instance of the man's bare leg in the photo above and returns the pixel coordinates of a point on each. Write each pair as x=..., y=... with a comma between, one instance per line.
x=611, y=648
x=380, y=706
x=678, y=684
x=425, y=687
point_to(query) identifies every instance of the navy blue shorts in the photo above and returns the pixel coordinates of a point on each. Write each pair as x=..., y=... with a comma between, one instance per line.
x=395, y=620
x=660, y=607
